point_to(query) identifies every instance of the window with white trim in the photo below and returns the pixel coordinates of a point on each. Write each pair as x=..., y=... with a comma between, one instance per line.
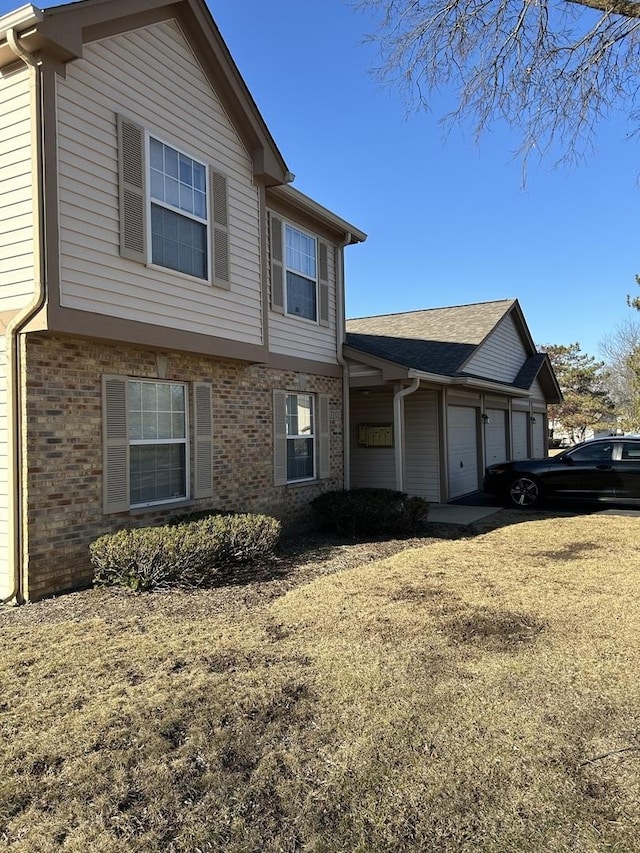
x=151, y=454
x=173, y=207
x=179, y=210
x=301, y=437
x=301, y=274
x=158, y=469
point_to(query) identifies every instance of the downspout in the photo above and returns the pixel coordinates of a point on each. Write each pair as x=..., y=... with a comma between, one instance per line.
x=17, y=324
x=398, y=429
x=340, y=336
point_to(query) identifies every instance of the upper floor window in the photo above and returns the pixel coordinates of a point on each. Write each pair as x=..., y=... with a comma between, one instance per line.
x=179, y=222
x=300, y=267
x=301, y=273
x=173, y=207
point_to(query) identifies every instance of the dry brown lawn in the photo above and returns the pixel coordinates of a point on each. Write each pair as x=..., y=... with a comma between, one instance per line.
x=476, y=694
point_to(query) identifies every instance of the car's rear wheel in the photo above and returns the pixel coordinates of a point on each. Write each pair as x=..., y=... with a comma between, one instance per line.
x=524, y=492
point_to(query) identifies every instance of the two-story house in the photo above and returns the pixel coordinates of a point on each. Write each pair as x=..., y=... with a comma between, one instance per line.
x=172, y=309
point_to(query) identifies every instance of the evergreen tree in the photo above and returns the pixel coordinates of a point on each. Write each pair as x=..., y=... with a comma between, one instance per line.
x=583, y=382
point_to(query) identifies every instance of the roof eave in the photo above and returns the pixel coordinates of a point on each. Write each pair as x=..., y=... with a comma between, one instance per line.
x=301, y=202
x=61, y=32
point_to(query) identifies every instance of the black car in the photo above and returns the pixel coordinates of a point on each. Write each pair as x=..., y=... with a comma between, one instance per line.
x=604, y=469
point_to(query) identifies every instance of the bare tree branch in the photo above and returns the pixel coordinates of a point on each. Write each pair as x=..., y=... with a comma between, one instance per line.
x=552, y=69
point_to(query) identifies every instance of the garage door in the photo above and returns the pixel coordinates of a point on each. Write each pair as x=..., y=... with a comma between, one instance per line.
x=495, y=437
x=519, y=427
x=537, y=437
x=463, y=450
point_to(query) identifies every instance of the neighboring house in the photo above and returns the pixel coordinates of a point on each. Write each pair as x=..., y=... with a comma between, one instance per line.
x=438, y=394
x=172, y=309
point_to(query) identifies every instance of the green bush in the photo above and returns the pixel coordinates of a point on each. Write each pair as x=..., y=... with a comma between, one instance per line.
x=183, y=554
x=370, y=511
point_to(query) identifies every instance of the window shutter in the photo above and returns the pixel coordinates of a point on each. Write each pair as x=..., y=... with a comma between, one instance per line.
x=202, y=440
x=220, y=230
x=279, y=438
x=131, y=173
x=323, y=284
x=115, y=445
x=277, y=271
x=324, y=465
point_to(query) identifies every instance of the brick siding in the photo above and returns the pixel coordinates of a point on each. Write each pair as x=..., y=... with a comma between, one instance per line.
x=63, y=463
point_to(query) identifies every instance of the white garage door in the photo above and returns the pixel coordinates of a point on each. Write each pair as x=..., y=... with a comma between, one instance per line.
x=495, y=437
x=463, y=450
x=537, y=436
x=519, y=433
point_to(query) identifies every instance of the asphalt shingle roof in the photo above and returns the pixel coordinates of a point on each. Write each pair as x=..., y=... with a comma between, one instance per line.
x=435, y=340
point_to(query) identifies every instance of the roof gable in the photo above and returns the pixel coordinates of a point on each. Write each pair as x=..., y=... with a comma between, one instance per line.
x=434, y=340
x=488, y=341
x=61, y=31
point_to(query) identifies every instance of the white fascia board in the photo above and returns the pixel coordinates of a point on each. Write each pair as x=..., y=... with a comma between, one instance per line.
x=469, y=382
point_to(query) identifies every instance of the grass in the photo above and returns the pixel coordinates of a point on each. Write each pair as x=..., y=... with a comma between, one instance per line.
x=473, y=695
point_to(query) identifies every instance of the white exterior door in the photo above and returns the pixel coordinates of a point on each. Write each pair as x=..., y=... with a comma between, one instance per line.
x=463, y=450
x=495, y=437
x=519, y=435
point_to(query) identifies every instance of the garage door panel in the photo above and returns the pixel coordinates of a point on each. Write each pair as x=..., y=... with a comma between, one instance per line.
x=495, y=436
x=519, y=435
x=537, y=437
x=462, y=450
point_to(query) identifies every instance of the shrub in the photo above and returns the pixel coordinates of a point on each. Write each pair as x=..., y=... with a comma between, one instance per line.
x=183, y=554
x=370, y=511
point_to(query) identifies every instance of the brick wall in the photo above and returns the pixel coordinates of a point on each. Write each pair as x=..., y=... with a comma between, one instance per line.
x=63, y=477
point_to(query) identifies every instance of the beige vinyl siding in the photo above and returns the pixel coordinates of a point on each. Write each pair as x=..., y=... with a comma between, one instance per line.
x=296, y=336
x=371, y=466
x=151, y=76
x=16, y=192
x=537, y=396
x=422, y=460
x=501, y=356
x=5, y=578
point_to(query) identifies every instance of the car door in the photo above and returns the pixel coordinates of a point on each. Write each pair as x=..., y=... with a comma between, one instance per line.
x=628, y=469
x=586, y=472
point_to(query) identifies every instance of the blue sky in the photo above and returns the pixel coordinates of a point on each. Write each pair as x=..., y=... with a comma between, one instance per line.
x=448, y=222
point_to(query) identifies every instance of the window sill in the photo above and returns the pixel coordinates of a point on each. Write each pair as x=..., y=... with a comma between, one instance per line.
x=302, y=319
x=299, y=483
x=182, y=504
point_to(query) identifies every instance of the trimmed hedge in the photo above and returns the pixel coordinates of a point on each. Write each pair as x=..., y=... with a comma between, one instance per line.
x=370, y=511
x=191, y=553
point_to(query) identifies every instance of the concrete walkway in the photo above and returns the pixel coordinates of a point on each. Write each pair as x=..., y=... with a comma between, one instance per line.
x=466, y=510
x=459, y=514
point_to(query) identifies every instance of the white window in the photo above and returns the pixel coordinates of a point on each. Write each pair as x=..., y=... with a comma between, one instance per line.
x=301, y=274
x=173, y=207
x=179, y=210
x=149, y=448
x=158, y=442
x=301, y=437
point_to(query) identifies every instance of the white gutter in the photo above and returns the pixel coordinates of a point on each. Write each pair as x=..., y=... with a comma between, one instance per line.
x=483, y=384
x=398, y=429
x=17, y=323
x=25, y=16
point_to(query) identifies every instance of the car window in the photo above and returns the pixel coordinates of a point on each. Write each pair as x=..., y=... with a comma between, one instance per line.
x=600, y=452
x=631, y=451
